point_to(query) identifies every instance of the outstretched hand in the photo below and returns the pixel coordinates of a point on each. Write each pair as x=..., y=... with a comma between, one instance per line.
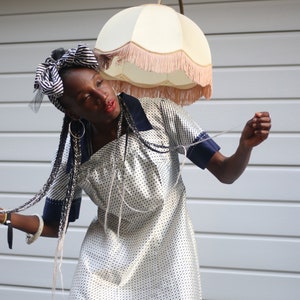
x=256, y=130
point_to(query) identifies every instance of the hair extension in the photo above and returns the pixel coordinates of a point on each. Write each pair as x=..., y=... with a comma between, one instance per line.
x=153, y=146
x=133, y=127
x=35, y=199
x=63, y=224
x=56, y=54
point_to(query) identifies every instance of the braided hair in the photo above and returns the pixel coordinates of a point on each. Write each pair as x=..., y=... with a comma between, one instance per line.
x=56, y=54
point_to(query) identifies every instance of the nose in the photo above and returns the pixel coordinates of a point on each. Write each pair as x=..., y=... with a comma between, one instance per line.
x=100, y=94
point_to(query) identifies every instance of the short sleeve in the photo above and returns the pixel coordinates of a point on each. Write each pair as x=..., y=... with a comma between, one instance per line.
x=184, y=131
x=57, y=193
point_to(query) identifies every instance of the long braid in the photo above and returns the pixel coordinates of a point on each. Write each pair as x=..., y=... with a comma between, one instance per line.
x=132, y=126
x=39, y=196
x=63, y=224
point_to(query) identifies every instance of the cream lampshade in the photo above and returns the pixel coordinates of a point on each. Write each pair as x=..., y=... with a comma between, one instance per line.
x=151, y=50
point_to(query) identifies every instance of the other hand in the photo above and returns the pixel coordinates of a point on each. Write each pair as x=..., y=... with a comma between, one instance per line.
x=256, y=130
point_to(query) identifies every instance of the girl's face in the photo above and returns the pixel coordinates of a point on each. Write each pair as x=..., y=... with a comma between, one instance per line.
x=88, y=96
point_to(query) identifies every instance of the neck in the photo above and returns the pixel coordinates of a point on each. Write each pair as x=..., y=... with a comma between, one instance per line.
x=105, y=128
x=105, y=133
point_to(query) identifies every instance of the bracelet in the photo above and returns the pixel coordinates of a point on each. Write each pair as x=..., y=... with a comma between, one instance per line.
x=9, y=230
x=30, y=238
x=4, y=220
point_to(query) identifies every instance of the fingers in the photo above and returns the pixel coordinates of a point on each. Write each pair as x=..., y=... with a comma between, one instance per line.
x=261, y=123
x=256, y=130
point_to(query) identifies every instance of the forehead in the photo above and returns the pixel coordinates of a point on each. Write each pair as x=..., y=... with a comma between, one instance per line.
x=75, y=82
x=76, y=72
x=77, y=77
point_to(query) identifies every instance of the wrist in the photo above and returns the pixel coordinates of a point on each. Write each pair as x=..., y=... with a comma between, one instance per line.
x=245, y=147
x=6, y=220
x=3, y=218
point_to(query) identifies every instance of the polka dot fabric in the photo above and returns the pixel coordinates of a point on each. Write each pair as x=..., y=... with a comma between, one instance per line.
x=153, y=255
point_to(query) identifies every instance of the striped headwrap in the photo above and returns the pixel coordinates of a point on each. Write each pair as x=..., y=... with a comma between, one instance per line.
x=48, y=81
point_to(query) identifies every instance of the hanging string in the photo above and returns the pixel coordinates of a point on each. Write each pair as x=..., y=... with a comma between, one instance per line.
x=162, y=148
x=114, y=169
x=152, y=146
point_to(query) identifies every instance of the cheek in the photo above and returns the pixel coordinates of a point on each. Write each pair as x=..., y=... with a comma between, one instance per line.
x=71, y=107
x=66, y=101
x=109, y=88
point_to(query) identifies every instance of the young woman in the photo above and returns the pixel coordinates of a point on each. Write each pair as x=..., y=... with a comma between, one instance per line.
x=123, y=153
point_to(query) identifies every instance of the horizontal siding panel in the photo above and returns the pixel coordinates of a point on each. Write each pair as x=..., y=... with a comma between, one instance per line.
x=24, y=92
x=259, y=82
x=48, y=119
x=215, y=116
x=227, y=50
x=216, y=285
x=208, y=216
x=282, y=183
x=44, y=248
x=40, y=270
x=38, y=147
x=250, y=253
x=23, y=177
x=240, y=17
x=284, y=149
x=28, y=147
x=241, y=285
x=214, y=281
x=258, y=49
x=249, y=218
x=262, y=83
x=88, y=209
x=228, y=115
x=30, y=293
x=245, y=16
x=48, y=26
x=36, y=6
x=32, y=54
x=214, y=249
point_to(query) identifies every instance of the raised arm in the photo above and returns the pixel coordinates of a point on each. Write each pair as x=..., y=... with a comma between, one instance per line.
x=228, y=169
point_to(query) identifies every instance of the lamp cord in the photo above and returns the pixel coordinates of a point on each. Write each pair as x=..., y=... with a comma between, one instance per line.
x=180, y=5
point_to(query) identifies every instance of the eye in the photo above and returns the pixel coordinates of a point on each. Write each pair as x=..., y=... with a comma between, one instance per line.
x=98, y=83
x=85, y=98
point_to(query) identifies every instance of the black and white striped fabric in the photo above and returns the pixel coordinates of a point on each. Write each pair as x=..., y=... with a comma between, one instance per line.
x=47, y=79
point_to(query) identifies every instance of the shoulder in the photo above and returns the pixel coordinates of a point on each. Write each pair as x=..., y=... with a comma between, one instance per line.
x=161, y=105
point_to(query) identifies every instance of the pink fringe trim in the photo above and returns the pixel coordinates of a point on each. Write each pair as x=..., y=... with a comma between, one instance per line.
x=179, y=96
x=157, y=62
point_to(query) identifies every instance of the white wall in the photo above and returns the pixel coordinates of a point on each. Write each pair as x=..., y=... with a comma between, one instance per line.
x=247, y=233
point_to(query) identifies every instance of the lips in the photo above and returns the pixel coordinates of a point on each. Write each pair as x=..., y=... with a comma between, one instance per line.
x=110, y=105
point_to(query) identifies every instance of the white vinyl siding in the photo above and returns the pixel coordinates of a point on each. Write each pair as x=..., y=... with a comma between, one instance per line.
x=248, y=233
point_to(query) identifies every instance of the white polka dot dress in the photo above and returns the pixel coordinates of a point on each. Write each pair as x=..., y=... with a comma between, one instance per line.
x=141, y=245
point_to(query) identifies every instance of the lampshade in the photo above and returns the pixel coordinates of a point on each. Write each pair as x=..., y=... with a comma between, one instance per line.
x=151, y=50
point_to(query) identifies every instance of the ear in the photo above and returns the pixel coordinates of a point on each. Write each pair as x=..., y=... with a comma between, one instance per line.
x=72, y=115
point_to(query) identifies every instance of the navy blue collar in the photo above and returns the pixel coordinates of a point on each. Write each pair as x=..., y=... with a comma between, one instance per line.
x=138, y=115
x=137, y=112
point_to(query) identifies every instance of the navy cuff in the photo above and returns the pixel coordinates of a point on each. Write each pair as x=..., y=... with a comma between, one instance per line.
x=200, y=154
x=53, y=208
